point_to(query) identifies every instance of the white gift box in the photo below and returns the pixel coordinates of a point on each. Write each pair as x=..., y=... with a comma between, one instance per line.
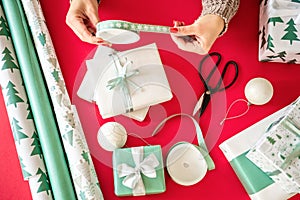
x=133, y=80
x=279, y=31
x=277, y=153
x=257, y=184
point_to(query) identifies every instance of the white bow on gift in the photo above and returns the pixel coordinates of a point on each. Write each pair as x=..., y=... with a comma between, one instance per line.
x=133, y=178
x=284, y=8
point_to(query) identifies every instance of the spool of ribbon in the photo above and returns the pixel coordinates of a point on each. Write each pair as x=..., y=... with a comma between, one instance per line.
x=123, y=32
x=178, y=153
x=122, y=81
x=145, y=166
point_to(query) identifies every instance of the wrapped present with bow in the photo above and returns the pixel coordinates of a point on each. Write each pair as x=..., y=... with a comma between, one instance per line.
x=133, y=80
x=138, y=171
x=277, y=153
x=279, y=31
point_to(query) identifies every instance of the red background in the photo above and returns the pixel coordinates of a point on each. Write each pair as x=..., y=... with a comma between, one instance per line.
x=240, y=43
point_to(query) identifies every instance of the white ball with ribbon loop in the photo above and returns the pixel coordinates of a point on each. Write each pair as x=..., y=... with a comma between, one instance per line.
x=112, y=135
x=259, y=91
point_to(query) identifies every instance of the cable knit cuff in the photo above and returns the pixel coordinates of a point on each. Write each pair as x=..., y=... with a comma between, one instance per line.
x=226, y=9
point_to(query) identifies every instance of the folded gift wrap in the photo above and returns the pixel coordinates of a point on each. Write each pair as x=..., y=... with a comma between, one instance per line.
x=76, y=150
x=87, y=87
x=138, y=171
x=277, y=153
x=54, y=155
x=258, y=184
x=133, y=80
x=279, y=31
x=19, y=112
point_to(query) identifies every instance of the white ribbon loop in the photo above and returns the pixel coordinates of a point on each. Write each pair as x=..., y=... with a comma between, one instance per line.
x=133, y=178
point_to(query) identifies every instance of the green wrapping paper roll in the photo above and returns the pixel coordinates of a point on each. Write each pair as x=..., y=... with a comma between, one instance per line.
x=59, y=175
x=20, y=117
x=80, y=162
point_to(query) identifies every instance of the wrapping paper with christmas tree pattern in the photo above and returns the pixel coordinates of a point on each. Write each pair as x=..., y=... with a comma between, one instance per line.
x=277, y=153
x=19, y=112
x=44, y=119
x=74, y=142
x=279, y=31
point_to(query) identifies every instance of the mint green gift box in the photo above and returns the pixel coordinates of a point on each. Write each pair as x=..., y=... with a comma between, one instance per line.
x=136, y=166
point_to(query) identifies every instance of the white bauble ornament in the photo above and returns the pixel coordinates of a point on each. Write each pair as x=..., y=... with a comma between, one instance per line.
x=259, y=91
x=111, y=136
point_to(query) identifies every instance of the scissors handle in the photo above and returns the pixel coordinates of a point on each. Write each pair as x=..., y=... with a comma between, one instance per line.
x=236, y=70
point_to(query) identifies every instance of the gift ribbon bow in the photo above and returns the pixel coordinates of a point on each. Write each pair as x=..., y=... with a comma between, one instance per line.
x=122, y=81
x=133, y=175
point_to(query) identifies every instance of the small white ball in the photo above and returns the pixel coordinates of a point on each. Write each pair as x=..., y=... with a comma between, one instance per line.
x=111, y=136
x=259, y=91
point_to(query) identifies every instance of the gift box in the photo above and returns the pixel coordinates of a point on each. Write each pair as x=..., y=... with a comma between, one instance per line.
x=138, y=171
x=133, y=80
x=94, y=67
x=279, y=31
x=257, y=183
x=277, y=152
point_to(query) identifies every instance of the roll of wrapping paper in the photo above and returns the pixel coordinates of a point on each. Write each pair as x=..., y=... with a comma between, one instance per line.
x=20, y=117
x=77, y=152
x=56, y=164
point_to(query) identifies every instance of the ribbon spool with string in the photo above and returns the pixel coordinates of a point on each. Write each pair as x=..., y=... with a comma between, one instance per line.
x=258, y=91
x=123, y=32
x=187, y=163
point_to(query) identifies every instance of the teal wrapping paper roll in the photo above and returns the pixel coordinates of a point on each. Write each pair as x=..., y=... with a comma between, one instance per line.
x=56, y=164
x=21, y=119
x=74, y=142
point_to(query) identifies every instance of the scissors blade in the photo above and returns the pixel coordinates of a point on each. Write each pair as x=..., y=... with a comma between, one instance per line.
x=198, y=104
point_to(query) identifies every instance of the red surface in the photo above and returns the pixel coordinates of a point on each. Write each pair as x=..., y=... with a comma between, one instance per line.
x=240, y=43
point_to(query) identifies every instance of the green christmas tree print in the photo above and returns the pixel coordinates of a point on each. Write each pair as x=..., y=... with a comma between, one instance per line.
x=25, y=173
x=36, y=145
x=281, y=55
x=42, y=38
x=82, y=195
x=271, y=140
x=275, y=20
x=8, y=61
x=13, y=98
x=291, y=32
x=29, y=116
x=45, y=185
x=16, y=129
x=69, y=137
x=85, y=156
x=55, y=75
x=270, y=44
x=263, y=38
x=4, y=30
x=293, y=61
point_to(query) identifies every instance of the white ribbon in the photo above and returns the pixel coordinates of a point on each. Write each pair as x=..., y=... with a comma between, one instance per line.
x=284, y=8
x=133, y=178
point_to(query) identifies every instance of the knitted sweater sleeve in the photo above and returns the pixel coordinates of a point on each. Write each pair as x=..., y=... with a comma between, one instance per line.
x=224, y=8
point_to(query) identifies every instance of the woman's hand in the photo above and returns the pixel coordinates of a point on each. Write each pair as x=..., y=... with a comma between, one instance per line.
x=199, y=36
x=82, y=18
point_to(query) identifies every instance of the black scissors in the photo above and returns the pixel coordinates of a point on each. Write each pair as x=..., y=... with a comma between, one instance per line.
x=209, y=89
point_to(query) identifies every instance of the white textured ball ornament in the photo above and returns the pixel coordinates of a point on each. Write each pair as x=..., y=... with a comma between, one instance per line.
x=111, y=136
x=259, y=91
